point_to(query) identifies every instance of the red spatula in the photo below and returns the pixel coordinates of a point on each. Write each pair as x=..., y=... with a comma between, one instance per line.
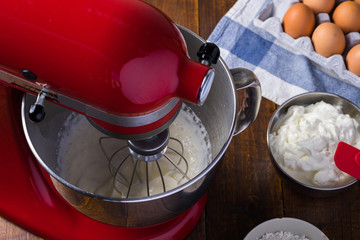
x=347, y=159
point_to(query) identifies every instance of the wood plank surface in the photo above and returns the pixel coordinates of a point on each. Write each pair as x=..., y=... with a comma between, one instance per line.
x=247, y=189
x=183, y=12
x=10, y=231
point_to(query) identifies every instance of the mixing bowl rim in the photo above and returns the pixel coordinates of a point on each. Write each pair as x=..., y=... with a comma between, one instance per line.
x=275, y=117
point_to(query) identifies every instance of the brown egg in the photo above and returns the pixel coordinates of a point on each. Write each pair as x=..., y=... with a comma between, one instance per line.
x=353, y=60
x=328, y=39
x=299, y=21
x=347, y=16
x=320, y=6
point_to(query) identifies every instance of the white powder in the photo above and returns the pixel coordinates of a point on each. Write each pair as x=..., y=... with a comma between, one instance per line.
x=85, y=165
x=306, y=140
x=282, y=236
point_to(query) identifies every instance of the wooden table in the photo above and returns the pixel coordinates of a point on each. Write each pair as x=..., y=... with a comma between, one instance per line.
x=247, y=190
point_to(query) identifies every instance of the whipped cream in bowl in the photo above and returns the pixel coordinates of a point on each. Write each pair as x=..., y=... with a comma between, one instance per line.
x=302, y=138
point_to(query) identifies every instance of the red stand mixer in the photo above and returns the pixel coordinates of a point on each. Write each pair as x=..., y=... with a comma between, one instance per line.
x=129, y=70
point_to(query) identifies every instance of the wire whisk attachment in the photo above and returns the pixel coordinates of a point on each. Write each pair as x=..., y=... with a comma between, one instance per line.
x=146, y=167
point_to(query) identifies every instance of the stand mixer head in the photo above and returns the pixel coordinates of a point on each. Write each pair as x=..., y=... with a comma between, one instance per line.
x=127, y=72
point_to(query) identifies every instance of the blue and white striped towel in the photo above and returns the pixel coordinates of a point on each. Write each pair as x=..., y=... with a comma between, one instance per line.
x=283, y=72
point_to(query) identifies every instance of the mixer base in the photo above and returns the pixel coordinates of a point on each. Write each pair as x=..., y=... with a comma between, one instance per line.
x=30, y=202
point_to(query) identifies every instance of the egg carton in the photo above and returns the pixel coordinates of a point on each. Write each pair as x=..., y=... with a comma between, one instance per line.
x=270, y=20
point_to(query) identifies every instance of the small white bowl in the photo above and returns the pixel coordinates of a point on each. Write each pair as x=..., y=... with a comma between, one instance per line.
x=291, y=225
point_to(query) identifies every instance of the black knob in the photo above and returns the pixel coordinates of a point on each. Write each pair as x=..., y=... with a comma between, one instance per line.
x=209, y=52
x=29, y=75
x=36, y=113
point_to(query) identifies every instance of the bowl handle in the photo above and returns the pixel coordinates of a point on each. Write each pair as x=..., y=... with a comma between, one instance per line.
x=247, y=111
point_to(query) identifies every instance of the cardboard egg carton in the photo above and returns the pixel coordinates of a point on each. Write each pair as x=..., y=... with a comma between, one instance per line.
x=270, y=20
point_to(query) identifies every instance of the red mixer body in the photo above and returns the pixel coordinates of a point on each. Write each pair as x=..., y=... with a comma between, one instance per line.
x=122, y=57
x=30, y=202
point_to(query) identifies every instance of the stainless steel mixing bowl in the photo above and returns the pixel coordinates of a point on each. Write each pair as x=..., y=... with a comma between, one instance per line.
x=231, y=106
x=305, y=100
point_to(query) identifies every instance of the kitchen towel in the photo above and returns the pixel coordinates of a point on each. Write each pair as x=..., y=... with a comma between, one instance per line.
x=282, y=69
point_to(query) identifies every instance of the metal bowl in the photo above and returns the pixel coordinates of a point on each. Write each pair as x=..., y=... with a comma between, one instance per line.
x=304, y=100
x=231, y=106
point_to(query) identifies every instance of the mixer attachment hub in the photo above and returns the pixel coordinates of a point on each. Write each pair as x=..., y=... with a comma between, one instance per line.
x=150, y=149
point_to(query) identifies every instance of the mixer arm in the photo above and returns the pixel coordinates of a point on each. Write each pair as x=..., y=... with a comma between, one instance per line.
x=246, y=80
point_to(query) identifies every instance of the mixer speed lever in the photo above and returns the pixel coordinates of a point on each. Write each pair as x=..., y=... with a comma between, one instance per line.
x=37, y=111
